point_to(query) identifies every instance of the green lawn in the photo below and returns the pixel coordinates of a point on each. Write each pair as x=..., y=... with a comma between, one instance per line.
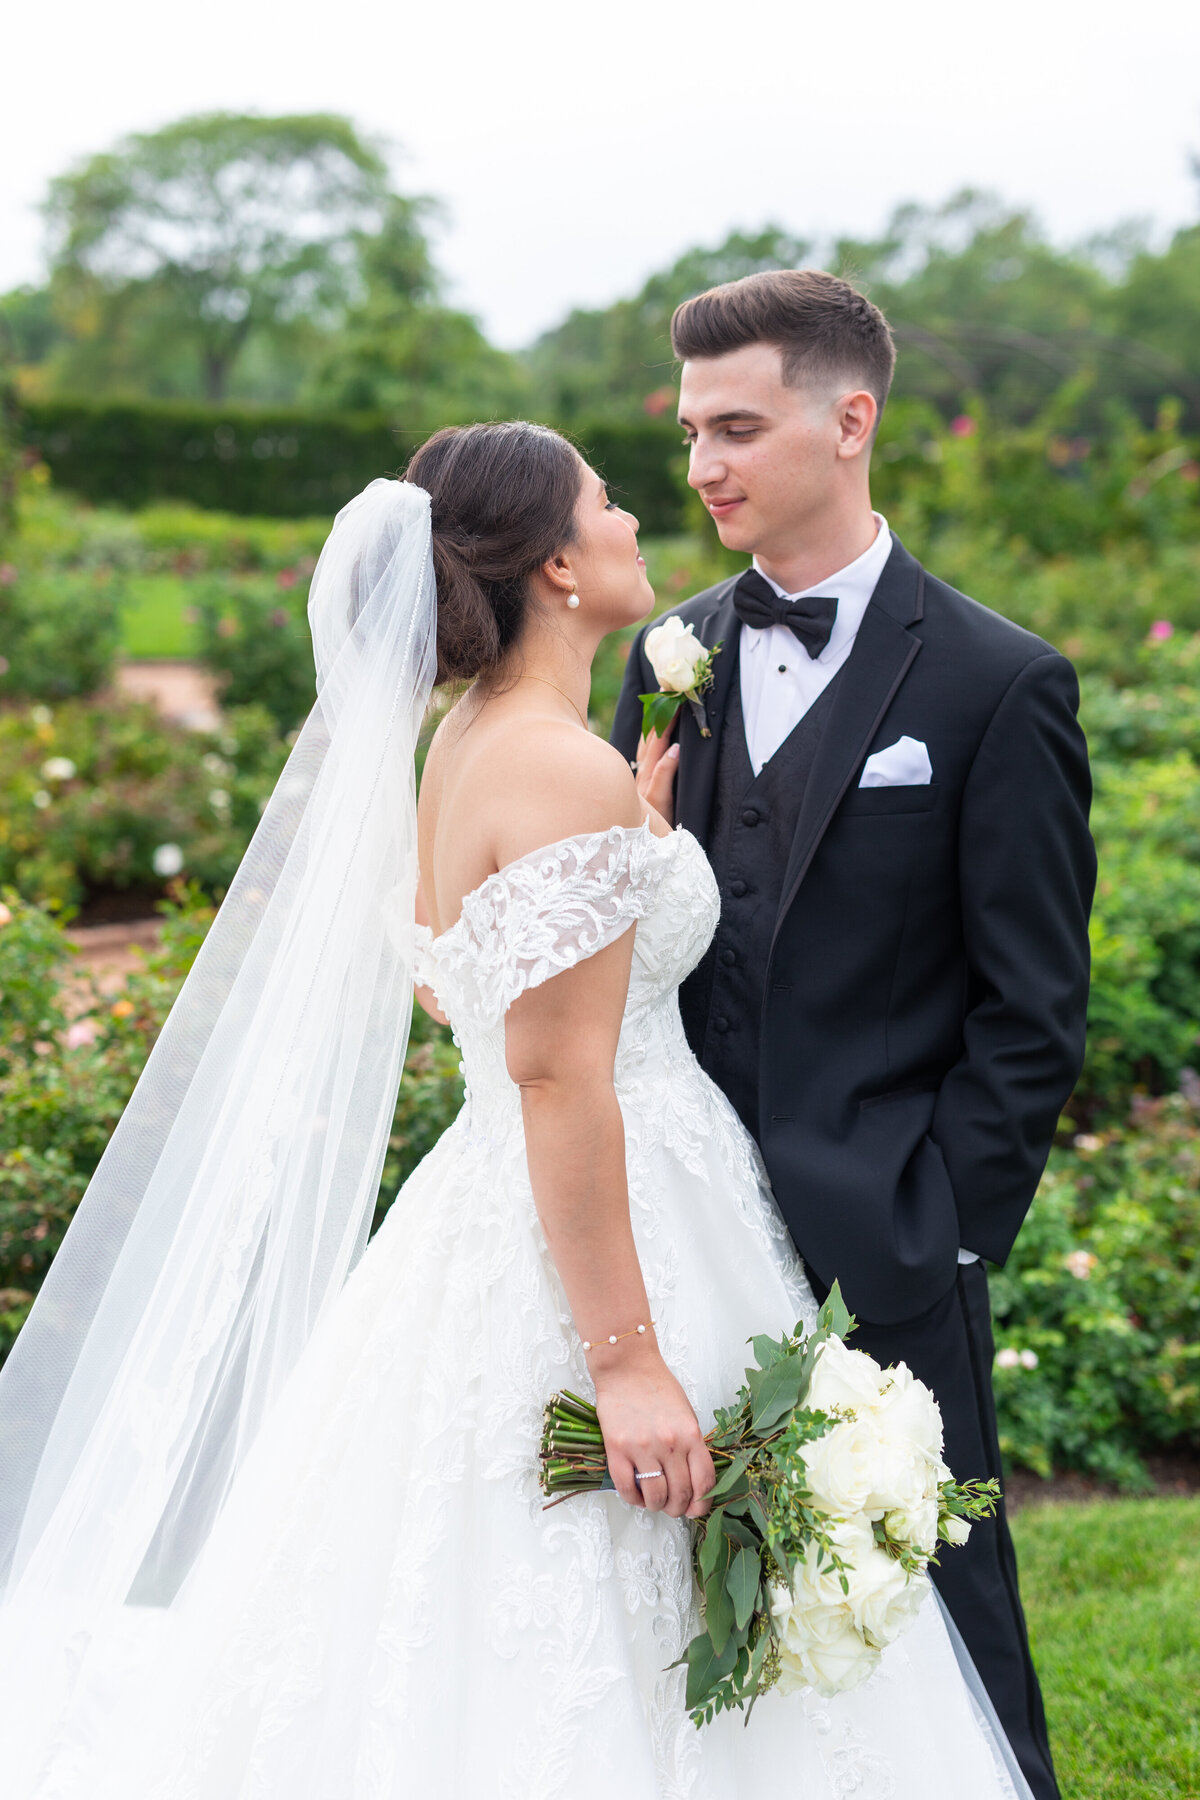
x=1113, y=1596
x=153, y=617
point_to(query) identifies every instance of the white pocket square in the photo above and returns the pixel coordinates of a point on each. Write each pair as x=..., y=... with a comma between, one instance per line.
x=903, y=764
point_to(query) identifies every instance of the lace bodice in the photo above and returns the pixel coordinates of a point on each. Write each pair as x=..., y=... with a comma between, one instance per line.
x=549, y=910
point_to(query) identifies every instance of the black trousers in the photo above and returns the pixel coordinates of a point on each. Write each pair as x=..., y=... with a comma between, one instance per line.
x=950, y=1348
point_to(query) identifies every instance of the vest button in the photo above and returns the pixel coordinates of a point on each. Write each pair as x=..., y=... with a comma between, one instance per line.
x=728, y=958
x=749, y=817
x=737, y=889
x=721, y=1025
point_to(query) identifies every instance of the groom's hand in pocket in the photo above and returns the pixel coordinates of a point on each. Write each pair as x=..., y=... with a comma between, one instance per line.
x=657, y=761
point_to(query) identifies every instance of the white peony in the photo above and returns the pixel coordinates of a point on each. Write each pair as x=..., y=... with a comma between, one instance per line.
x=844, y=1379
x=904, y=1475
x=956, y=1530
x=908, y=1409
x=883, y=1599
x=674, y=653
x=843, y=1467
x=820, y=1645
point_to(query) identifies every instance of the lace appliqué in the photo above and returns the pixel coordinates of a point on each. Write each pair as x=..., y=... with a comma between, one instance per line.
x=538, y=916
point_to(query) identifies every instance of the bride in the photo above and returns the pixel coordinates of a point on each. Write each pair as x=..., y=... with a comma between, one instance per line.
x=269, y=1516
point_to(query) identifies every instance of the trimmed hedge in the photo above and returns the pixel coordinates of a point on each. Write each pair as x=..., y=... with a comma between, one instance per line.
x=286, y=463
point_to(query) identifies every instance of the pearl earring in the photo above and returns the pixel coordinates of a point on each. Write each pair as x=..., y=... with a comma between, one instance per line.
x=572, y=599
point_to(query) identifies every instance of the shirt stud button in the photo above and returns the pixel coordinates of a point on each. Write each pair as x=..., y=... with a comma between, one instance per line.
x=783, y=668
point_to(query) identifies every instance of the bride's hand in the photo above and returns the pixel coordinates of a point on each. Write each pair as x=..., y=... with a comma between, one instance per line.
x=648, y=1424
x=657, y=761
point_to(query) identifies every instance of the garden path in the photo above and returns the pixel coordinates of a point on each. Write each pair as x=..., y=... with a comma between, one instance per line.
x=183, y=691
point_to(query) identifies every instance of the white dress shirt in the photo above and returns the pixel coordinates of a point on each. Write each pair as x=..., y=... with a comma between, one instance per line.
x=780, y=680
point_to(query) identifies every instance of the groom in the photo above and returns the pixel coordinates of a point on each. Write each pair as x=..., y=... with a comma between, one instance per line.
x=894, y=798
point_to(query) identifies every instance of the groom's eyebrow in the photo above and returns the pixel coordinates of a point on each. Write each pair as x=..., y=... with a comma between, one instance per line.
x=727, y=418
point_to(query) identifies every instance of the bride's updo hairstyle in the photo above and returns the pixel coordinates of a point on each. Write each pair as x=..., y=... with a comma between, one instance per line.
x=503, y=503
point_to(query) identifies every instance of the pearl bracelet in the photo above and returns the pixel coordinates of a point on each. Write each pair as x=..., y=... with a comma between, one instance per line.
x=638, y=1331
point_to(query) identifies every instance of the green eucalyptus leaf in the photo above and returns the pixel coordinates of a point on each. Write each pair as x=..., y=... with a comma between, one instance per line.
x=776, y=1391
x=768, y=1350
x=744, y=1578
x=730, y=1478
x=714, y=1532
x=718, y=1604
x=707, y=1669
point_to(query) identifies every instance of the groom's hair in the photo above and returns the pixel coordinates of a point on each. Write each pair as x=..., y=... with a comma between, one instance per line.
x=826, y=330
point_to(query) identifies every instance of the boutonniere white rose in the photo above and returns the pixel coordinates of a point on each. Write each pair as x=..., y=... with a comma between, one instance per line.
x=684, y=668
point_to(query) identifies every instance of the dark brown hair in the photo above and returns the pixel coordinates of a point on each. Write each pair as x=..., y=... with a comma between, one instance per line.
x=504, y=499
x=826, y=329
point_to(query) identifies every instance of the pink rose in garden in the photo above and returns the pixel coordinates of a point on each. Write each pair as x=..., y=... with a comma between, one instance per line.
x=1008, y=1358
x=963, y=426
x=279, y=616
x=5, y=915
x=286, y=578
x=82, y=1032
x=1161, y=630
x=1029, y=1359
x=1080, y=1264
x=8, y=574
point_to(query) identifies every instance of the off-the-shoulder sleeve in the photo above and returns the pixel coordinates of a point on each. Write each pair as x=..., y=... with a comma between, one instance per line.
x=543, y=914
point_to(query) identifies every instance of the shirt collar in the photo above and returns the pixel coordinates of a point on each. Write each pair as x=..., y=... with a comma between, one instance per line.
x=852, y=585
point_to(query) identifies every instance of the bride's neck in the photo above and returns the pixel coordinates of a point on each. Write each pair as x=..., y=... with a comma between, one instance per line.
x=559, y=657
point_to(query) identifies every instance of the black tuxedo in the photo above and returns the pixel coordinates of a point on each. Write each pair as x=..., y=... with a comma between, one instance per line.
x=922, y=1005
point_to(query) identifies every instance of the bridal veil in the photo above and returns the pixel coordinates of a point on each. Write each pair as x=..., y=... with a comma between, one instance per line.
x=238, y=1188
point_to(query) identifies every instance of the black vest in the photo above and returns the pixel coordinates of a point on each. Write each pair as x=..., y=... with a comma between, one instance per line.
x=750, y=834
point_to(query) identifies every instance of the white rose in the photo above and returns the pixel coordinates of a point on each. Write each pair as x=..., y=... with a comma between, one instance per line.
x=915, y=1527
x=674, y=652
x=903, y=1476
x=883, y=1599
x=831, y=1658
x=908, y=1409
x=843, y=1467
x=956, y=1530
x=844, y=1378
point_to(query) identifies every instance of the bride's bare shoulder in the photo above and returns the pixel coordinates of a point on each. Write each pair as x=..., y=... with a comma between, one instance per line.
x=540, y=779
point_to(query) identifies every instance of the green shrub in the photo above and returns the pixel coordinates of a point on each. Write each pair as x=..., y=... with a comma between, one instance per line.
x=94, y=796
x=58, y=632
x=287, y=463
x=254, y=636
x=64, y=1084
x=1098, y=1309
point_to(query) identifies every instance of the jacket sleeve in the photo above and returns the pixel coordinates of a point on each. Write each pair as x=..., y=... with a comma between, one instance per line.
x=1027, y=869
x=639, y=679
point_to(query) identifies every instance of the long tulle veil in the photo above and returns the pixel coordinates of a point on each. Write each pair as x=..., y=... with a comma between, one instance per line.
x=237, y=1190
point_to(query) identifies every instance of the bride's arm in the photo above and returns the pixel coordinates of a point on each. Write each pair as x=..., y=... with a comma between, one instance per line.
x=561, y=1043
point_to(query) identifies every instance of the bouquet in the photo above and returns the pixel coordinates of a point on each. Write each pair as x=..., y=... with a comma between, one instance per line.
x=684, y=668
x=830, y=1503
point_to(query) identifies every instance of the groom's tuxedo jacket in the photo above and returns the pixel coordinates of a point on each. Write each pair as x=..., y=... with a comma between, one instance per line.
x=923, y=1012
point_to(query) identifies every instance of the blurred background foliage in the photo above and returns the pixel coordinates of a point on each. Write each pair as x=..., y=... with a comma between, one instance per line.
x=243, y=323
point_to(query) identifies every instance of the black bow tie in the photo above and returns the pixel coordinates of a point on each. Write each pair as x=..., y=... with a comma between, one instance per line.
x=810, y=619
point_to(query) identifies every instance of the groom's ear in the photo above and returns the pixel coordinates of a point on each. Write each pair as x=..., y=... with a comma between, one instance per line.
x=857, y=414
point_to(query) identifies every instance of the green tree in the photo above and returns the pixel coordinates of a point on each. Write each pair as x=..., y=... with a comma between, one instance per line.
x=180, y=246
x=400, y=350
x=617, y=359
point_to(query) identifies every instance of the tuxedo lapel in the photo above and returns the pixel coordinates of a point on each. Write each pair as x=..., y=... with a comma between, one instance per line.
x=883, y=653
x=698, y=755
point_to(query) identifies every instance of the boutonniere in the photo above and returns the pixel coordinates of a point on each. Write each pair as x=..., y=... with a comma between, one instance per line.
x=684, y=667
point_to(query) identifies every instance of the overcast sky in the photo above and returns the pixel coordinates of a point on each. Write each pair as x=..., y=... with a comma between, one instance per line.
x=580, y=146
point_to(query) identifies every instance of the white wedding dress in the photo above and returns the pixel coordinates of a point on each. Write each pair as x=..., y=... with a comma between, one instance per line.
x=384, y=1610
